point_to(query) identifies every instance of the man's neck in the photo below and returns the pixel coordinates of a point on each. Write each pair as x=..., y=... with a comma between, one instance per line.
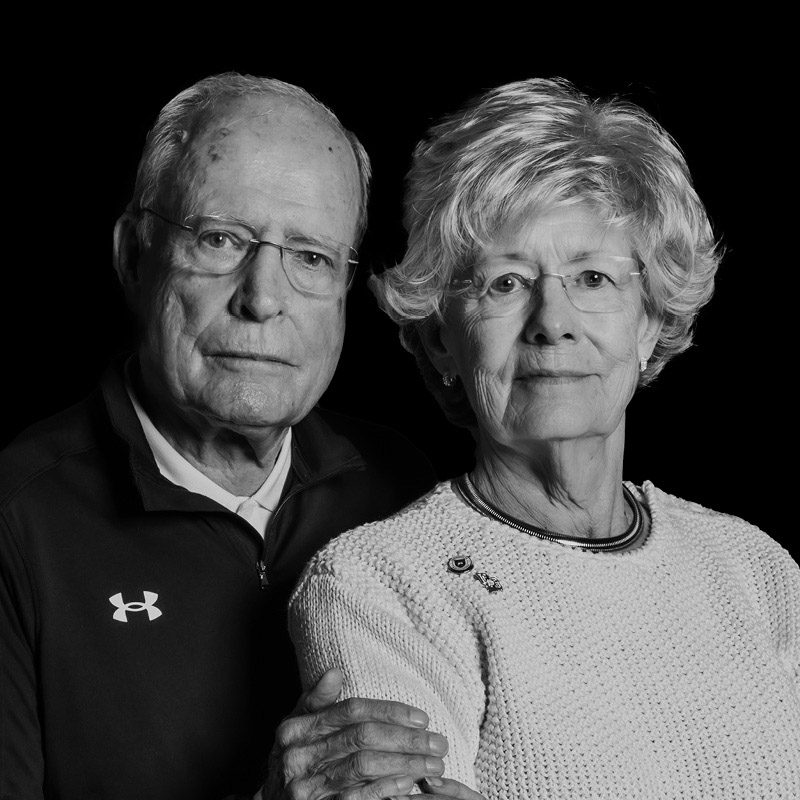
x=233, y=460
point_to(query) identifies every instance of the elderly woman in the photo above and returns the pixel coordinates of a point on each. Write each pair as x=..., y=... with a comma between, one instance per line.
x=573, y=635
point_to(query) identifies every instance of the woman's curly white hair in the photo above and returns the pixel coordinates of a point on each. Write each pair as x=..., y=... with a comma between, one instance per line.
x=527, y=147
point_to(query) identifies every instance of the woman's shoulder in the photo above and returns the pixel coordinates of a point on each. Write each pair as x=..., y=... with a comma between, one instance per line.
x=419, y=525
x=691, y=519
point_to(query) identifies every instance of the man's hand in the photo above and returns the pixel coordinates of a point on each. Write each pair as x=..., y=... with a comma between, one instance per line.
x=356, y=749
x=447, y=789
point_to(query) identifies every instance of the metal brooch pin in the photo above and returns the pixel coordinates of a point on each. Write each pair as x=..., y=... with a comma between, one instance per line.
x=459, y=564
x=488, y=582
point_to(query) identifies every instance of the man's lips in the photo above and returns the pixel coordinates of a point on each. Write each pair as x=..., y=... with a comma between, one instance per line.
x=245, y=355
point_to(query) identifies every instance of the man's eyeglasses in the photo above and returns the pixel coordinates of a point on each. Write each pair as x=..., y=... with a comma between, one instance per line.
x=596, y=283
x=222, y=246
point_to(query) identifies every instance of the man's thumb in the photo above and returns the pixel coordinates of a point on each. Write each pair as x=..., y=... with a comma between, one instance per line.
x=325, y=692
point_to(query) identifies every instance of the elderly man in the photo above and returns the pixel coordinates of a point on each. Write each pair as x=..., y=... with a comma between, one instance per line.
x=149, y=536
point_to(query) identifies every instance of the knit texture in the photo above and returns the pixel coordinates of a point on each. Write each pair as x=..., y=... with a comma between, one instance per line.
x=668, y=671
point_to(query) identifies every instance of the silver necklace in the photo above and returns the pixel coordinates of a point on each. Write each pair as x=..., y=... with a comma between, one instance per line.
x=483, y=506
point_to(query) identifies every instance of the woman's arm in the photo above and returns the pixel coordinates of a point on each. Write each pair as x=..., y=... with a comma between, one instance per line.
x=371, y=628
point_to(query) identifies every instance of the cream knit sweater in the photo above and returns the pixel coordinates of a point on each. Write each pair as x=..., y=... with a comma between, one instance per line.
x=669, y=671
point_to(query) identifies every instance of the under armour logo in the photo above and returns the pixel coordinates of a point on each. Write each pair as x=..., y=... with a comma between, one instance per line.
x=121, y=614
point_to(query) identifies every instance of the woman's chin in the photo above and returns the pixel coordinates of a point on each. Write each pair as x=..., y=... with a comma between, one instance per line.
x=557, y=427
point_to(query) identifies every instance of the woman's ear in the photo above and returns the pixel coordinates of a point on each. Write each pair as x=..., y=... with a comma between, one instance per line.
x=648, y=336
x=127, y=254
x=431, y=335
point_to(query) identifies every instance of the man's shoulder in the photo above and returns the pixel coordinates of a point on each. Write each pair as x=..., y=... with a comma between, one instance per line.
x=371, y=435
x=375, y=443
x=357, y=471
x=49, y=443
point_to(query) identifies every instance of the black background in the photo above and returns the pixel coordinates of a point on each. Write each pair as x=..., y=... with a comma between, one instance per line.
x=715, y=428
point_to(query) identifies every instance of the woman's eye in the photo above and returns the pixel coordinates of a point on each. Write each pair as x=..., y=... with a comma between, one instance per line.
x=591, y=279
x=506, y=284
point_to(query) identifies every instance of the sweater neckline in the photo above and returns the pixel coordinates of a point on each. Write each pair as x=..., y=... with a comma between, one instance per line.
x=644, y=494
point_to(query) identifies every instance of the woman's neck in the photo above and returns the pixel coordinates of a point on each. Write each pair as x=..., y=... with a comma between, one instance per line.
x=573, y=487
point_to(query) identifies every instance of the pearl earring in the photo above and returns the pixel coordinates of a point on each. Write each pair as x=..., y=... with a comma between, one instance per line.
x=448, y=379
x=642, y=364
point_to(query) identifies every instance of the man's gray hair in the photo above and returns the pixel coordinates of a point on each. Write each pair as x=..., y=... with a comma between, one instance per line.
x=166, y=142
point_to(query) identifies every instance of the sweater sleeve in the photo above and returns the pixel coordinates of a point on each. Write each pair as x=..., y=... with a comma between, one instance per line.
x=21, y=759
x=366, y=629
x=771, y=581
x=777, y=585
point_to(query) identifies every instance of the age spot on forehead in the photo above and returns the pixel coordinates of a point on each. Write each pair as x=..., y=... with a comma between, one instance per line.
x=215, y=149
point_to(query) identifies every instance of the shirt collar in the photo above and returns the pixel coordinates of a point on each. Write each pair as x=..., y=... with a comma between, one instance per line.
x=176, y=469
x=321, y=448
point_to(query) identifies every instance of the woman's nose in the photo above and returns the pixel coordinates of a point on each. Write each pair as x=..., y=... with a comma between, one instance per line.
x=551, y=316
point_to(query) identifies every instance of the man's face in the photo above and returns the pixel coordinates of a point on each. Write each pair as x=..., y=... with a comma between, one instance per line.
x=246, y=351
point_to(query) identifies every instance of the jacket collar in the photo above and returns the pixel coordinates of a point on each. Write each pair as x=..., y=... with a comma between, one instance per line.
x=318, y=452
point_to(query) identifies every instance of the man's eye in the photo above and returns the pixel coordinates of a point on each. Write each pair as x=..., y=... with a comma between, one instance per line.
x=219, y=240
x=506, y=284
x=311, y=260
x=592, y=279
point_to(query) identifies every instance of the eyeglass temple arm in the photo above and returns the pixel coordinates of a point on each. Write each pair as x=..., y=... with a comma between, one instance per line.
x=169, y=221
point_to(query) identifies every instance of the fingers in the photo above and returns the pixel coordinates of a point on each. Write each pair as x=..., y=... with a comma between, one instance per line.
x=448, y=789
x=315, y=727
x=365, y=776
x=380, y=737
x=361, y=709
x=369, y=750
x=384, y=789
x=350, y=747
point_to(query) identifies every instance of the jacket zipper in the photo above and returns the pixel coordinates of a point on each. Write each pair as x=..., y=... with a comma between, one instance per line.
x=261, y=563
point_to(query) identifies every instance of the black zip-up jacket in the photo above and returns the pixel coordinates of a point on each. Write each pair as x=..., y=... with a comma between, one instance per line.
x=144, y=645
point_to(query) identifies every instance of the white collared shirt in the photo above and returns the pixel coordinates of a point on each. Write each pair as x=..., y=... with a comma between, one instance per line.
x=255, y=509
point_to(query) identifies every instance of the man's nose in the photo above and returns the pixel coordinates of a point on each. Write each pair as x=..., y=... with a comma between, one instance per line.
x=263, y=286
x=551, y=316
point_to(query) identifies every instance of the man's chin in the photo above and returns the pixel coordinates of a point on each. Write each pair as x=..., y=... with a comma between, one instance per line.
x=256, y=413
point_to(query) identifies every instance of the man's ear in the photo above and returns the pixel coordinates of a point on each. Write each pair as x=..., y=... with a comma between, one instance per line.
x=127, y=254
x=431, y=335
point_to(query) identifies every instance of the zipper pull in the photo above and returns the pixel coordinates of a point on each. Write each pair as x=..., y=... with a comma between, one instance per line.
x=261, y=569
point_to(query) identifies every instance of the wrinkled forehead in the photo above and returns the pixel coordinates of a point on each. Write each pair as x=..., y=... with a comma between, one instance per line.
x=261, y=116
x=238, y=127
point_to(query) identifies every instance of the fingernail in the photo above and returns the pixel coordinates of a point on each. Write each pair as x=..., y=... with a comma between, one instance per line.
x=434, y=765
x=419, y=718
x=434, y=782
x=405, y=783
x=437, y=744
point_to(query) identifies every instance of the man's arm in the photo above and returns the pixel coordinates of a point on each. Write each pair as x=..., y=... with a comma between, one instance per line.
x=357, y=749
x=21, y=759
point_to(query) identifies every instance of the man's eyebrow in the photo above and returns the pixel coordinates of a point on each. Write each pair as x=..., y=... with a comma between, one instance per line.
x=319, y=240
x=291, y=235
x=234, y=220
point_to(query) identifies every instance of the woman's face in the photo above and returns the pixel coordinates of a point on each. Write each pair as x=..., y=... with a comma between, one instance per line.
x=548, y=371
